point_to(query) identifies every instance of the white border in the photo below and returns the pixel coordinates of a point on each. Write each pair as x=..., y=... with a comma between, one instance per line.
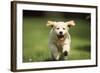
x=21, y=65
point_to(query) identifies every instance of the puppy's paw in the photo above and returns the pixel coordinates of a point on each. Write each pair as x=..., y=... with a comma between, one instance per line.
x=65, y=53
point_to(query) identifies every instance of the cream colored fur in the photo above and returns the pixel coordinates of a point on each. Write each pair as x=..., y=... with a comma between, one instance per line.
x=59, y=45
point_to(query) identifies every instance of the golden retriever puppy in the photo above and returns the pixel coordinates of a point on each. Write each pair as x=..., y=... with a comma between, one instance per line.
x=59, y=39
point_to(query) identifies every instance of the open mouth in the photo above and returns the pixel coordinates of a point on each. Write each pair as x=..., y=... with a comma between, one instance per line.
x=60, y=37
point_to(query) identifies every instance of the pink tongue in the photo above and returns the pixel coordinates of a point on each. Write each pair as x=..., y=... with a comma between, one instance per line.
x=61, y=38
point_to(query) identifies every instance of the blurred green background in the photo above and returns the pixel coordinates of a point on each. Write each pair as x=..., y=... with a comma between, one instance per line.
x=36, y=34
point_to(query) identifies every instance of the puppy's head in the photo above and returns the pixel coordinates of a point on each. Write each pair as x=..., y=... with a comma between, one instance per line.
x=61, y=28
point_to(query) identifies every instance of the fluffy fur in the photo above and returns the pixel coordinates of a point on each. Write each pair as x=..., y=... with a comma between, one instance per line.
x=59, y=39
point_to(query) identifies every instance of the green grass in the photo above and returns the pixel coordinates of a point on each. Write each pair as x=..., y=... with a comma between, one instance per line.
x=35, y=40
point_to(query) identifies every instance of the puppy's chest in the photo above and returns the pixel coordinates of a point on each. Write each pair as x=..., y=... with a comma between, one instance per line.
x=60, y=42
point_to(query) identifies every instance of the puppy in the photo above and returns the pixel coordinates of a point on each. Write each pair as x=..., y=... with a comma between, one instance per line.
x=59, y=39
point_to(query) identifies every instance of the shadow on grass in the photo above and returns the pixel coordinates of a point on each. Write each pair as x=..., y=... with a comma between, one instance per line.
x=49, y=59
x=52, y=60
x=86, y=48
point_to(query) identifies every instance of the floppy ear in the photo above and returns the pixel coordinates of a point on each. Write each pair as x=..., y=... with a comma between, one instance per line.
x=50, y=23
x=70, y=23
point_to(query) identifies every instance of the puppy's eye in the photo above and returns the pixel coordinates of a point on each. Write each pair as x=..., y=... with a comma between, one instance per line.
x=63, y=28
x=57, y=28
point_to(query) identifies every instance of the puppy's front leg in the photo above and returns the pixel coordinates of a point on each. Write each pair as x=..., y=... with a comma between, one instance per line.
x=54, y=52
x=66, y=49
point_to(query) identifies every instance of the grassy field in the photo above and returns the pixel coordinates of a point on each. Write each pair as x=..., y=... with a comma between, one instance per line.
x=35, y=39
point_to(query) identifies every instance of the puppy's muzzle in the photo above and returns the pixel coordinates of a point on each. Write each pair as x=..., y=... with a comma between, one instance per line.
x=60, y=36
x=60, y=32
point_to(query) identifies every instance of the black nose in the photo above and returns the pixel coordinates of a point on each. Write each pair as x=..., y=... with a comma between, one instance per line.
x=60, y=32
